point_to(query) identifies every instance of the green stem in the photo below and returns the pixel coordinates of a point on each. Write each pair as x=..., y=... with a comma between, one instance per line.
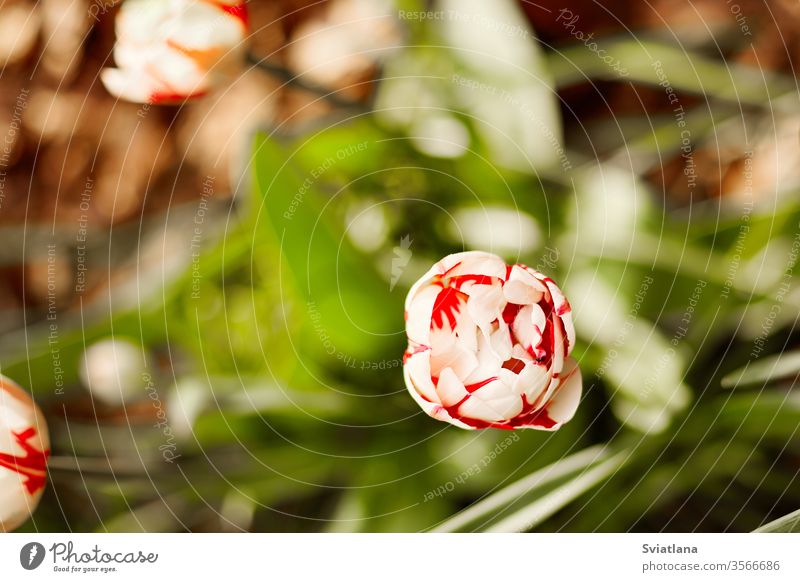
x=289, y=78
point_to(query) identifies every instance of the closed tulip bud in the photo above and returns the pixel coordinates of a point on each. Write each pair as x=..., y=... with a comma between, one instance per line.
x=171, y=50
x=489, y=345
x=24, y=449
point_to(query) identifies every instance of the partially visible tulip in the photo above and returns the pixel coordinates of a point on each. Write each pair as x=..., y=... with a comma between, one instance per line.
x=24, y=449
x=171, y=50
x=489, y=345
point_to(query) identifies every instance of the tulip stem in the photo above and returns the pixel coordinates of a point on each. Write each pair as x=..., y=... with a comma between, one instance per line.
x=290, y=78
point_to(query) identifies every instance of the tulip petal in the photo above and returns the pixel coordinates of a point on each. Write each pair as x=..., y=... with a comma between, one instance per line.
x=432, y=409
x=532, y=382
x=489, y=357
x=522, y=287
x=450, y=389
x=566, y=321
x=203, y=26
x=494, y=402
x=130, y=85
x=528, y=327
x=448, y=352
x=418, y=367
x=419, y=308
x=472, y=263
x=565, y=401
x=485, y=304
x=139, y=21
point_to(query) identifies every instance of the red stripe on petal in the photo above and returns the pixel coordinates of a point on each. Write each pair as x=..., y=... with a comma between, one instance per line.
x=166, y=98
x=564, y=308
x=459, y=280
x=473, y=387
x=540, y=419
x=531, y=416
x=237, y=11
x=510, y=312
x=514, y=365
x=543, y=353
x=481, y=424
x=443, y=275
x=166, y=94
x=32, y=466
x=453, y=410
x=447, y=306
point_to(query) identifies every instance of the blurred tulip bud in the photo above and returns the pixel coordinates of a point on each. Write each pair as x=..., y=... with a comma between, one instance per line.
x=489, y=345
x=113, y=371
x=24, y=449
x=343, y=47
x=171, y=50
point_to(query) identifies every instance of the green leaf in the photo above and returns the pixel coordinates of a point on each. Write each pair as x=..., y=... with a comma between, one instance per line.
x=652, y=62
x=165, y=514
x=764, y=371
x=787, y=524
x=581, y=466
x=535, y=513
x=350, y=313
x=506, y=87
x=646, y=371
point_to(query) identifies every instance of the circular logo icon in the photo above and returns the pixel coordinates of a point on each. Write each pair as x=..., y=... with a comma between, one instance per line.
x=31, y=555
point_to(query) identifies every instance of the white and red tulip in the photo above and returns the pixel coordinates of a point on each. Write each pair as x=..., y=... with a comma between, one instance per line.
x=168, y=51
x=24, y=449
x=489, y=345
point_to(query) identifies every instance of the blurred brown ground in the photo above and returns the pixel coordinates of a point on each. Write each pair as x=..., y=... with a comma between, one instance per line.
x=70, y=143
x=79, y=159
x=764, y=34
